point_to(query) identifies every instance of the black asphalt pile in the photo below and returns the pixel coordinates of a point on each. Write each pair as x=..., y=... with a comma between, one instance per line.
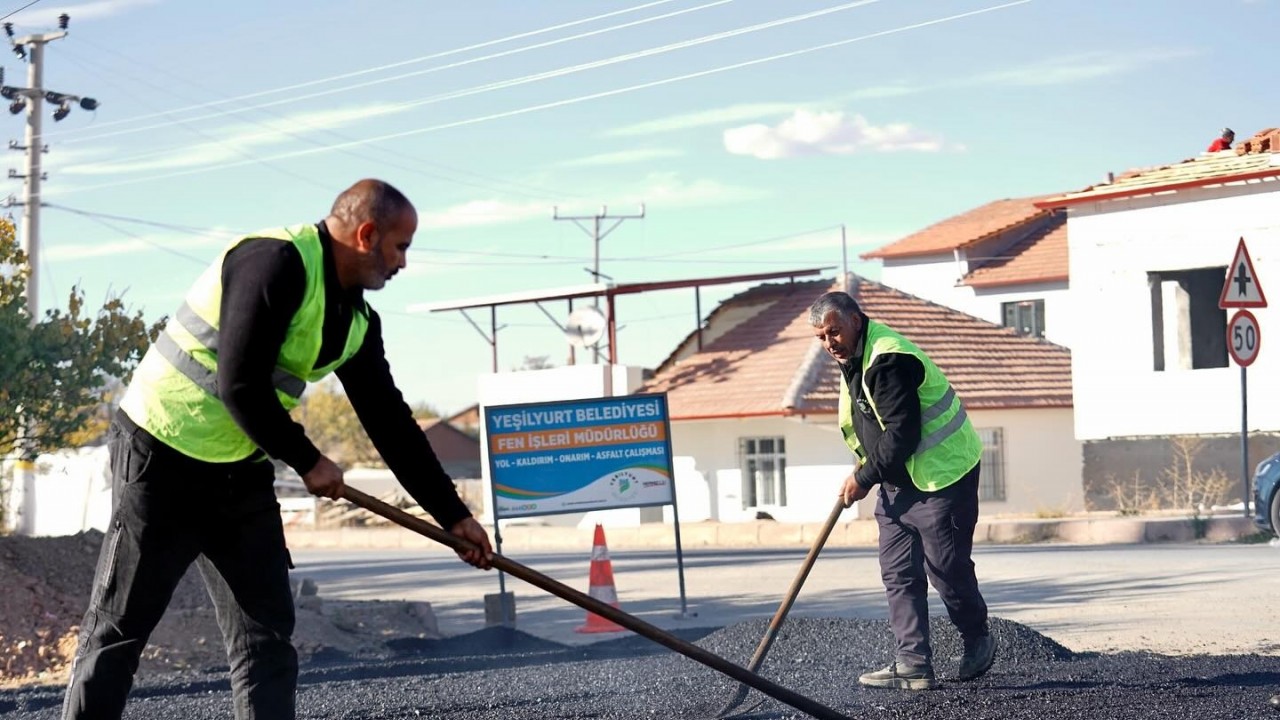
x=502, y=674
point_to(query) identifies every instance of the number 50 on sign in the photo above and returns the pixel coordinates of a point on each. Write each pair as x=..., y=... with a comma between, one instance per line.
x=1243, y=338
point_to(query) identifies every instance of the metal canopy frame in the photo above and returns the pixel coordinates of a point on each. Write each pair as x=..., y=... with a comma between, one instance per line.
x=596, y=290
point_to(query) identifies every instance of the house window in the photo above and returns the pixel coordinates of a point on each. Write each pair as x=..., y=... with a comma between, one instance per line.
x=1188, y=329
x=764, y=471
x=1025, y=316
x=991, y=481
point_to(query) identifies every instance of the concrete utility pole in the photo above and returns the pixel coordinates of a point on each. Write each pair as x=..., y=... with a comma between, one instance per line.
x=596, y=236
x=31, y=99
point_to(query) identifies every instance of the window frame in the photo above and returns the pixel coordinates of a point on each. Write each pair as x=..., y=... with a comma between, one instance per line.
x=1036, y=306
x=992, y=486
x=750, y=450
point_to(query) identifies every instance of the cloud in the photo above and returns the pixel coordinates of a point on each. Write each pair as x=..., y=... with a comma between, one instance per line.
x=1074, y=68
x=1061, y=70
x=180, y=243
x=704, y=118
x=482, y=212
x=622, y=157
x=880, y=92
x=669, y=189
x=825, y=133
x=84, y=11
x=666, y=188
x=235, y=142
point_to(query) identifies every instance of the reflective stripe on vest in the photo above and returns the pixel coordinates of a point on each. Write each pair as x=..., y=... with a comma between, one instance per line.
x=282, y=379
x=945, y=452
x=174, y=394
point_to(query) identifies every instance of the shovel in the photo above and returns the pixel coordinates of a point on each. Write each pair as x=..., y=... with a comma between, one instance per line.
x=781, y=615
x=581, y=599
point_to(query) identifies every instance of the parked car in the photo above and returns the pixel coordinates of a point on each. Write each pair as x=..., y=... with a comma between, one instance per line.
x=1266, y=494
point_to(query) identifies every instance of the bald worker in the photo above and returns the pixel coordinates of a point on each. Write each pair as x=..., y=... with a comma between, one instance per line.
x=204, y=415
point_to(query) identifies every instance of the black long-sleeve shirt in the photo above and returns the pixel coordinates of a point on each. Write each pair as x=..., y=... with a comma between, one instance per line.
x=262, y=288
x=893, y=380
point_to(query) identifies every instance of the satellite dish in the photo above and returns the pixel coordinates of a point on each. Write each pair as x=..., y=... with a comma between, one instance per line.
x=585, y=327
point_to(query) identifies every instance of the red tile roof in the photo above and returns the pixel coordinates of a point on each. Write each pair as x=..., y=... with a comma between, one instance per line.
x=746, y=371
x=770, y=364
x=1255, y=160
x=1040, y=257
x=964, y=229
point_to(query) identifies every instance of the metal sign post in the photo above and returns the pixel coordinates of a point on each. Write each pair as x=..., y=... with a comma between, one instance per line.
x=1244, y=337
x=1242, y=289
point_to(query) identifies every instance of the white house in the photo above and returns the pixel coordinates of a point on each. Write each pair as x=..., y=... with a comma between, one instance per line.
x=1149, y=253
x=1005, y=262
x=753, y=412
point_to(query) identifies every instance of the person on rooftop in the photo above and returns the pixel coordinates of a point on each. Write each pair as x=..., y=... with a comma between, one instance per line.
x=1224, y=141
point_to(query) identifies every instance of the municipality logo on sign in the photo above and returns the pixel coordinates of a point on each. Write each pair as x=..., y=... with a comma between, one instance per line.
x=623, y=484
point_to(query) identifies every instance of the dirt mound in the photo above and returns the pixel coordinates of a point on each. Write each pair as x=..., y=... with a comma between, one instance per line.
x=47, y=582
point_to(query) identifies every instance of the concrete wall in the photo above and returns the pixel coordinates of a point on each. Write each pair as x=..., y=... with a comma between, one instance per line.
x=1140, y=466
x=1060, y=316
x=932, y=277
x=817, y=463
x=935, y=278
x=1043, y=461
x=1114, y=246
x=1042, y=465
x=71, y=492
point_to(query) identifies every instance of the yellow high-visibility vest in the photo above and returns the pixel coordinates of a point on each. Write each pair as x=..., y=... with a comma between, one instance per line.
x=174, y=392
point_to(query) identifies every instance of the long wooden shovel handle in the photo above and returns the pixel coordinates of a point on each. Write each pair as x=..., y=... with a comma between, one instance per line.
x=635, y=624
x=780, y=616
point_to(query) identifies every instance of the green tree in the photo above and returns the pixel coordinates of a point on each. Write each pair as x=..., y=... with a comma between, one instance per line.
x=333, y=426
x=425, y=411
x=54, y=370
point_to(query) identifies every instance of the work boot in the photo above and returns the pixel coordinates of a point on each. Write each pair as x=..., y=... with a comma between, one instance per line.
x=901, y=676
x=979, y=654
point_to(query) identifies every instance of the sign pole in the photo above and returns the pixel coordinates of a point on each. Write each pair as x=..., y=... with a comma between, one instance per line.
x=1244, y=435
x=507, y=620
x=1242, y=289
x=675, y=521
x=1244, y=338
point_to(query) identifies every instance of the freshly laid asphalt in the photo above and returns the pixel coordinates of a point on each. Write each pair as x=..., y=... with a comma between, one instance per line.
x=499, y=673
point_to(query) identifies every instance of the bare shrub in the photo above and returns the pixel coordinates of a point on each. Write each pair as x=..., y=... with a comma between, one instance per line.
x=1130, y=497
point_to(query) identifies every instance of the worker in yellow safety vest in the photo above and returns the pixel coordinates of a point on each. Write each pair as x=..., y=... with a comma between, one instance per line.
x=205, y=414
x=910, y=437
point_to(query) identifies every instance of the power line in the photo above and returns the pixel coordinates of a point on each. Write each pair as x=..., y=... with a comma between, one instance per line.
x=10, y=14
x=231, y=147
x=390, y=158
x=574, y=100
x=390, y=66
x=734, y=246
x=572, y=69
x=545, y=258
x=438, y=68
x=631, y=258
x=145, y=241
x=141, y=221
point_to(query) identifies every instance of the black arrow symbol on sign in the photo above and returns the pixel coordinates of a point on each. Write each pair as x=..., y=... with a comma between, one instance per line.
x=1242, y=281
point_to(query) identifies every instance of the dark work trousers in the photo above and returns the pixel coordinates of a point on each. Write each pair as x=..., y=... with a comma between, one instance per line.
x=929, y=534
x=169, y=510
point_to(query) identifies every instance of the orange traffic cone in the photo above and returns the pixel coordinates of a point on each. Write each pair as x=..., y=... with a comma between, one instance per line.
x=602, y=588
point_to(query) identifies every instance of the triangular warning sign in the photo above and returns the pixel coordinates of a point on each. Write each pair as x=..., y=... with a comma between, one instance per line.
x=1242, y=288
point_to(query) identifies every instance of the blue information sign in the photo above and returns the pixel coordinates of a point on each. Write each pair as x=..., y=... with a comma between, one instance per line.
x=579, y=455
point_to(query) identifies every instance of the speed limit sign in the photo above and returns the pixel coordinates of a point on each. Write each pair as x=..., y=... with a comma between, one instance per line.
x=1243, y=338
